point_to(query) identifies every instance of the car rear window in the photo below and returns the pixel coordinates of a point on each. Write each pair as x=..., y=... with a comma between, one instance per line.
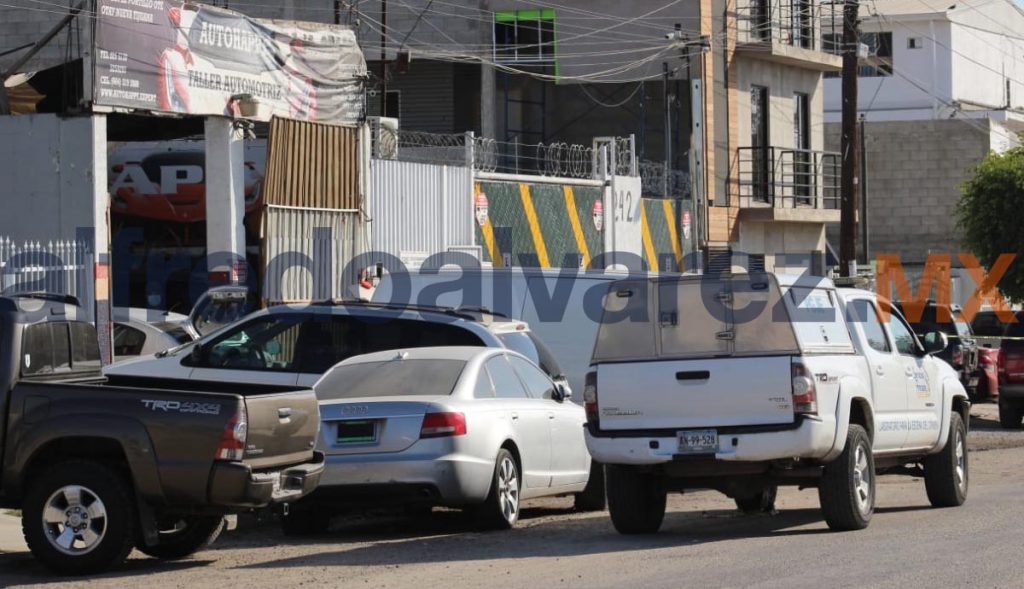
x=391, y=378
x=817, y=320
x=59, y=347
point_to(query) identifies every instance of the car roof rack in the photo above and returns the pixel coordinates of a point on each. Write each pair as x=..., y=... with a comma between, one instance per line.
x=461, y=312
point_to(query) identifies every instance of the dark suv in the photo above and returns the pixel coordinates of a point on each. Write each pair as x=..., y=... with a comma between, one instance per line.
x=962, y=352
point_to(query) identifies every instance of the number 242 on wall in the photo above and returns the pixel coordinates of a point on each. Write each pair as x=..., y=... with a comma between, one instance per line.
x=624, y=205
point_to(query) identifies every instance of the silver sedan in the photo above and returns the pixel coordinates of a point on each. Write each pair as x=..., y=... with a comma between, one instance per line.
x=468, y=427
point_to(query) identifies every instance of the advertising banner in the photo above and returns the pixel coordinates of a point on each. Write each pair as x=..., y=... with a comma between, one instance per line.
x=175, y=57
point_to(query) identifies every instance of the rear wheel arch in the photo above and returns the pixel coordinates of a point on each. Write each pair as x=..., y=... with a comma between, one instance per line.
x=514, y=450
x=108, y=451
x=862, y=415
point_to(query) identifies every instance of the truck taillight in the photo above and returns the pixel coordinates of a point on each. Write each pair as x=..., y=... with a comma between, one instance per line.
x=440, y=425
x=232, y=439
x=805, y=396
x=590, y=397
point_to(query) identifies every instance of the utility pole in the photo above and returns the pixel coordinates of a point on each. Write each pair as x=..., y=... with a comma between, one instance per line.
x=864, y=240
x=668, y=130
x=383, y=57
x=850, y=143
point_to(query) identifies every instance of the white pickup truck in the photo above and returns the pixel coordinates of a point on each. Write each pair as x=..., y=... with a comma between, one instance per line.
x=744, y=383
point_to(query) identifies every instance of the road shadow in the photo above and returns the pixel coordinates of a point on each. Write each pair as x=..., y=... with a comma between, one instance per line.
x=20, y=568
x=449, y=536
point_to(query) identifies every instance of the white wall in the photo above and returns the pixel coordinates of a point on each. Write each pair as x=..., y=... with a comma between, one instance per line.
x=983, y=62
x=922, y=80
x=782, y=82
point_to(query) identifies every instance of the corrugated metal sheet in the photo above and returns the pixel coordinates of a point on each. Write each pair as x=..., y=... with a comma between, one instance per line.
x=305, y=254
x=419, y=207
x=313, y=165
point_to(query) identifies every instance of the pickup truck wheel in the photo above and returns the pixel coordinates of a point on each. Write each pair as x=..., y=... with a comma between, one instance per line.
x=500, y=511
x=636, y=500
x=592, y=497
x=306, y=521
x=1010, y=415
x=946, y=474
x=847, y=486
x=78, y=517
x=761, y=502
x=182, y=536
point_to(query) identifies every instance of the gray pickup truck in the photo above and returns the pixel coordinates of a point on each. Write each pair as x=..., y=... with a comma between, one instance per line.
x=101, y=465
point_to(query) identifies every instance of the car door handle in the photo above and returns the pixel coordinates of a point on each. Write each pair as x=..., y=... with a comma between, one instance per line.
x=909, y=372
x=879, y=370
x=551, y=415
x=284, y=412
x=515, y=416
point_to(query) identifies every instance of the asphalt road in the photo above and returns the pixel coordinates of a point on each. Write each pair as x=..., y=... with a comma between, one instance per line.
x=704, y=543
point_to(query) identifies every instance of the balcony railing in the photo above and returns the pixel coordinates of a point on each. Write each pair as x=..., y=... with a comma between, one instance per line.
x=796, y=23
x=788, y=178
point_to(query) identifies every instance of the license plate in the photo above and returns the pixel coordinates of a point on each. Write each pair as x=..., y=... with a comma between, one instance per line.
x=973, y=382
x=357, y=432
x=698, y=441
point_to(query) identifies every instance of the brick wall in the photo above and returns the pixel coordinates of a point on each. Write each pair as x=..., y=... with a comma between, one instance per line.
x=914, y=173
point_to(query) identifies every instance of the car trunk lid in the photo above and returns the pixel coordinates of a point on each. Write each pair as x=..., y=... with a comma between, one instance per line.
x=372, y=426
x=282, y=428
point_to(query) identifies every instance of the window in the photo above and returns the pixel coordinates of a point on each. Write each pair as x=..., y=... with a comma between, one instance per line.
x=759, y=145
x=128, y=341
x=914, y=43
x=266, y=343
x=862, y=312
x=803, y=172
x=878, y=63
x=816, y=319
x=483, y=389
x=524, y=36
x=531, y=346
x=506, y=384
x=902, y=335
x=537, y=384
x=59, y=347
x=392, y=378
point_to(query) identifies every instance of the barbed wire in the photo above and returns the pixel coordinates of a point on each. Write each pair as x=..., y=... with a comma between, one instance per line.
x=654, y=181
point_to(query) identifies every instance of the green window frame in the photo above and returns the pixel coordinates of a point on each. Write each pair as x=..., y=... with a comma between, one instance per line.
x=524, y=36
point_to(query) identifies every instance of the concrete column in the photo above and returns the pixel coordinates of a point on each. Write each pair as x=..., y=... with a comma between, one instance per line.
x=225, y=198
x=101, y=237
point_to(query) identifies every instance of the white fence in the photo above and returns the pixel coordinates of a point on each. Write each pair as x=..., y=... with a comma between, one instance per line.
x=62, y=267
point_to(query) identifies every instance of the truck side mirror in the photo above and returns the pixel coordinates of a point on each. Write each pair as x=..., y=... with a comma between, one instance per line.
x=934, y=342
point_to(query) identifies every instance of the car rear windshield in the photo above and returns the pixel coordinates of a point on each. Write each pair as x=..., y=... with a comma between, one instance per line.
x=59, y=347
x=391, y=378
x=957, y=328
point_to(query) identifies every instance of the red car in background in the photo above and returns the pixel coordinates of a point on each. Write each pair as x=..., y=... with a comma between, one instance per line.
x=988, y=367
x=171, y=186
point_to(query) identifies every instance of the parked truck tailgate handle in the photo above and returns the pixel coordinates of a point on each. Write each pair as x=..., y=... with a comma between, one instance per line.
x=693, y=375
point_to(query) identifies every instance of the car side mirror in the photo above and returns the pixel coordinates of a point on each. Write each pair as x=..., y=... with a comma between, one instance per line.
x=934, y=342
x=561, y=393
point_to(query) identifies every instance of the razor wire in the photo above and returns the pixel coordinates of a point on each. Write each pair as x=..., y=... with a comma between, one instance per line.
x=658, y=180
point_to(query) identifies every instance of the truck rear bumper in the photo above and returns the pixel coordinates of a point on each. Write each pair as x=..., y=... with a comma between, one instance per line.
x=1011, y=392
x=235, y=485
x=810, y=438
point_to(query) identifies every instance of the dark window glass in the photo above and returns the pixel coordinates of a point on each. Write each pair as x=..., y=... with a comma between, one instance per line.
x=61, y=339
x=265, y=343
x=392, y=378
x=85, y=349
x=506, y=384
x=128, y=341
x=37, y=350
x=538, y=385
x=863, y=312
x=902, y=335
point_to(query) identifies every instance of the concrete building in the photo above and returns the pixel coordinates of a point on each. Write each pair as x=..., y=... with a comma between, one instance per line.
x=943, y=85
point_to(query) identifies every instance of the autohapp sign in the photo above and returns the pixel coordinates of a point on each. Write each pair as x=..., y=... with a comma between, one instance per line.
x=176, y=57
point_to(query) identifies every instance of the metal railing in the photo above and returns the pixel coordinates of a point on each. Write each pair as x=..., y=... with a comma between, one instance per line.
x=788, y=178
x=797, y=23
x=61, y=267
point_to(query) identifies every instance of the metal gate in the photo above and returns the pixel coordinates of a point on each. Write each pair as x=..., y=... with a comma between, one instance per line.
x=62, y=267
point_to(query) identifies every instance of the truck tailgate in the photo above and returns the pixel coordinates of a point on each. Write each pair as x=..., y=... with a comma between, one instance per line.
x=715, y=392
x=283, y=428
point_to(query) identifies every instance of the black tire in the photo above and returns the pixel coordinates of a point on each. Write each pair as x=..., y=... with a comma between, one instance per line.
x=112, y=534
x=1010, y=415
x=847, y=501
x=306, y=521
x=761, y=502
x=636, y=500
x=183, y=536
x=946, y=474
x=592, y=497
x=500, y=511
